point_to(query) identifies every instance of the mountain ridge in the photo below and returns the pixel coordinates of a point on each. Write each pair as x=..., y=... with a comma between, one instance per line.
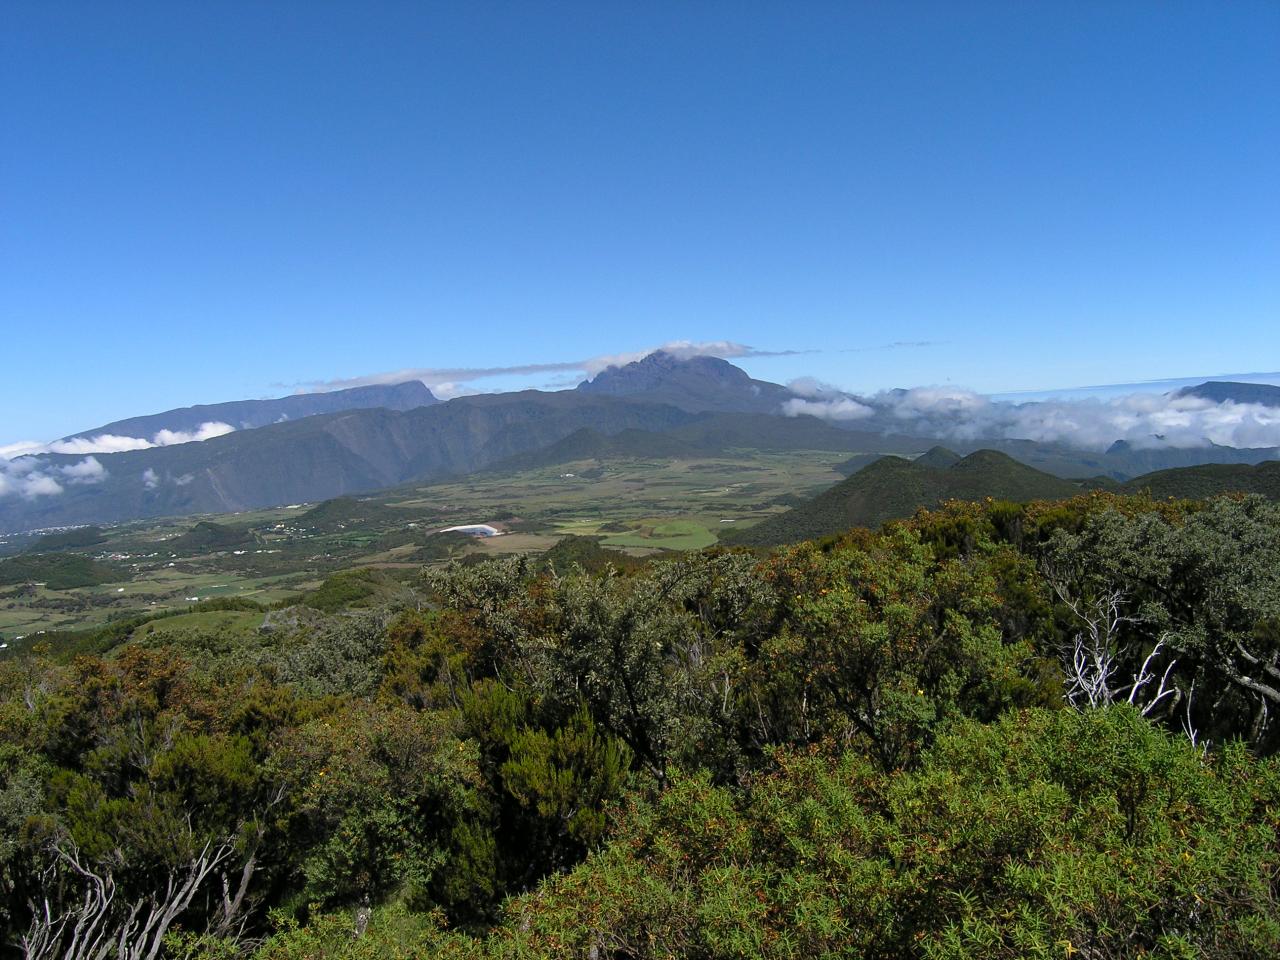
x=252, y=414
x=1220, y=391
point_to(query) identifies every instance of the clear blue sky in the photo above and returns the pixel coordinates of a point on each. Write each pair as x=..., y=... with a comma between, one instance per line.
x=205, y=201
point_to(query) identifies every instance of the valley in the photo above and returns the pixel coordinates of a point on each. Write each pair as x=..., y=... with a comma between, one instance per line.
x=639, y=506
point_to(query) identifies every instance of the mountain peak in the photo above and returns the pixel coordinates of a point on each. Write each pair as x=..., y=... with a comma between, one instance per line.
x=938, y=458
x=701, y=383
x=661, y=367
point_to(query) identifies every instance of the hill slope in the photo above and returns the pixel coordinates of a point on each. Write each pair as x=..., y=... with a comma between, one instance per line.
x=1196, y=483
x=892, y=488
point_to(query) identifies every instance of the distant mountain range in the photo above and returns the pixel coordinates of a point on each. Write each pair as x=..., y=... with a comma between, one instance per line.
x=250, y=414
x=313, y=447
x=320, y=457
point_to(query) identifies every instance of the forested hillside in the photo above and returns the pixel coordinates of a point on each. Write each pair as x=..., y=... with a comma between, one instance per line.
x=892, y=488
x=995, y=730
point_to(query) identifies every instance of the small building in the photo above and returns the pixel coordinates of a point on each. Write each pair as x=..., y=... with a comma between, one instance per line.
x=474, y=530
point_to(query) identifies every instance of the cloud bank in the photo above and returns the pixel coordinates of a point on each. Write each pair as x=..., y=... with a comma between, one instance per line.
x=113, y=443
x=817, y=399
x=1143, y=420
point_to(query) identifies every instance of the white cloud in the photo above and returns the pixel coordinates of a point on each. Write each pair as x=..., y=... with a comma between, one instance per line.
x=102, y=443
x=23, y=473
x=817, y=399
x=838, y=408
x=206, y=431
x=113, y=443
x=20, y=449
x=88, y=470
x=449, y=390
x=813, y=388
x=1141, y=419
x=31, y=478
x=39, y=485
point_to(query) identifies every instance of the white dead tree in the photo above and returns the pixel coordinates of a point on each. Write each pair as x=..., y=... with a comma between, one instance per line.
x=96, y=924
x=1095, y=660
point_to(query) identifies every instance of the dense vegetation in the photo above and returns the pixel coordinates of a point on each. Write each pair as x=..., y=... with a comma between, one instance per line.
x=994, y=730
x=59, y=571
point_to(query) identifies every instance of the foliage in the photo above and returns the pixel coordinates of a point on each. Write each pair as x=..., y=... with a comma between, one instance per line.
x=1043, y=835
x=350, y=588
x=864, y=746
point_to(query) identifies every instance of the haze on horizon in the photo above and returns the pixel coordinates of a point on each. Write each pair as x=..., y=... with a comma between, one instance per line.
x=206, y=204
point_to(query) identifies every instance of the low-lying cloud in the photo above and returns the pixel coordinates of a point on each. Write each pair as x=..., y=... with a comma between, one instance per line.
x=32, y=478
x=845, y=408
x=113, y=443
x=817, y=399
x=1141, y=419
x=24, y=473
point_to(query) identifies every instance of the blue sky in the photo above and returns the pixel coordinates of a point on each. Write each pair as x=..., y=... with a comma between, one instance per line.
x=203, y=202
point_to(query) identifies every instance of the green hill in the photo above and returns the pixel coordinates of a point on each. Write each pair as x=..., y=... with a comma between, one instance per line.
x=58, y=571
x=342, y=513
x=892, y=488
x=1196, y=483
x=208, y=536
